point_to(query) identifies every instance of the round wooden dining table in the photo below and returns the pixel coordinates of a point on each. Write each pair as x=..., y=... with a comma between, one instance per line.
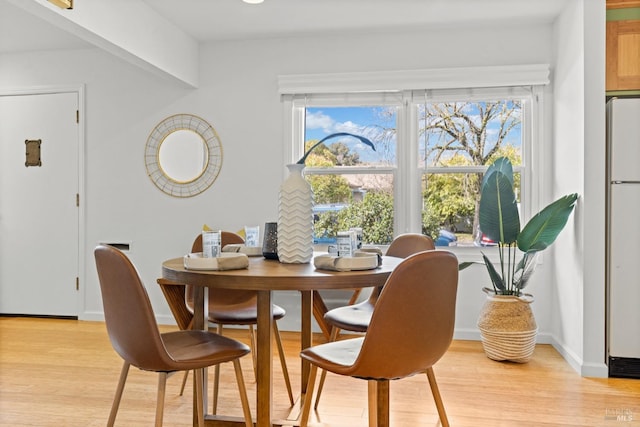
x=265, y=276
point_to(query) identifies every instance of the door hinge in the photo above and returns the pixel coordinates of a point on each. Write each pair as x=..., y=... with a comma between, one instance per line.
x=77, y=283
x=77, y=200
x=77, y=116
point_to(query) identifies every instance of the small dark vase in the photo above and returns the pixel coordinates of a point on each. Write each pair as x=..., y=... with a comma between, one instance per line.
x=270, y=242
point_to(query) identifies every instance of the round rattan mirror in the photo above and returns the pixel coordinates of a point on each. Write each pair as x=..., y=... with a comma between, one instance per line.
x=183, y=155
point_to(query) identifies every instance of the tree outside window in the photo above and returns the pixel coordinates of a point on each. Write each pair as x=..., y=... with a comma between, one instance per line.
x=457, y=138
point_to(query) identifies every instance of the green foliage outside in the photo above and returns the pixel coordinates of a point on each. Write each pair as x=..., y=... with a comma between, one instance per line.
x=449, y=198
x=327, y=188
x=431, y=224
x=452, y=199
x=374, y=214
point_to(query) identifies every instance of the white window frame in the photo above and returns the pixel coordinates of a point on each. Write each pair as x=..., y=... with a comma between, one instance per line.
x=298, y=91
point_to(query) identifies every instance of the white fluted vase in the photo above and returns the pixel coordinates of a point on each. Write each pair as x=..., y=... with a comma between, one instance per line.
x=295, y=218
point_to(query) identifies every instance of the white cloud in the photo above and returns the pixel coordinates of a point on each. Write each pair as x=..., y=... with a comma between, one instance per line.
x=319, y=120
x=348, y=126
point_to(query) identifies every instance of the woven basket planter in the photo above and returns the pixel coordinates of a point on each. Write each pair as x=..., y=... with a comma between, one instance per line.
x=508, y=327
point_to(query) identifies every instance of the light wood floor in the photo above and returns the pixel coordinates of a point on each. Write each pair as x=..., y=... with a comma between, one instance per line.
x=64, y=373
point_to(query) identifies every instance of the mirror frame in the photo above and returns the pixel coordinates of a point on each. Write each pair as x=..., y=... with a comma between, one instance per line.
x=209, y=173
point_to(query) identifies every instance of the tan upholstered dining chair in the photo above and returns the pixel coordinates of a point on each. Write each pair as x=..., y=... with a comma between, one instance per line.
x=411, y=328
x=226, y=307
x=134, y=335
x=356, y=317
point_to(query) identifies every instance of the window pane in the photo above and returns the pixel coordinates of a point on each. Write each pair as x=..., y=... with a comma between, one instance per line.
x=455, y=136
x=359, y=198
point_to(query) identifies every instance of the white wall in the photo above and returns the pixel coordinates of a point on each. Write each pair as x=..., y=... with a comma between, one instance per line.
x=567, y=281
x=594, y=175
x=238, y=96
x=578, y=165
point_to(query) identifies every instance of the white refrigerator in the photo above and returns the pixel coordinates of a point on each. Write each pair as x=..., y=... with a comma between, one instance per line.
x=623, y=228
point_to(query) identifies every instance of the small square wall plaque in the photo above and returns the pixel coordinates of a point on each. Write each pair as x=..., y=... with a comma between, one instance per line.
x=33, y=152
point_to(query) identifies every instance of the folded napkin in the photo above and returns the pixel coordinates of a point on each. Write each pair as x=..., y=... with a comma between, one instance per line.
x=376, y=251
x=226, y=261
x=359, y=261
x=243, y=249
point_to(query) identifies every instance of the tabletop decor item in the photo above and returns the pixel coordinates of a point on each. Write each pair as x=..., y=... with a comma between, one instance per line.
x=270, y=241
x=506, y=323
x=295, y=218
x=226, y=261
x=211, y=241
x=252, y=235
x=295, y=209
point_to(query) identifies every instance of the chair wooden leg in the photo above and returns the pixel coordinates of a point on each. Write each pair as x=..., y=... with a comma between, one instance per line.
x=372, y=403
x=243, y=393
x=198, y=378
x=162, y=385
x=334, y=336
x=354, y=296
x=306, y=405
x=283, y=362
x=119, y=389
x=319, y=310
x=378, y=395
x=216, y=380
x=184, y=382
x=436, y=396
x=254, y=354
x=323, y=376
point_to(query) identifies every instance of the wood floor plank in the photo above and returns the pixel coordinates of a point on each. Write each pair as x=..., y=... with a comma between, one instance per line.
x=64, y=373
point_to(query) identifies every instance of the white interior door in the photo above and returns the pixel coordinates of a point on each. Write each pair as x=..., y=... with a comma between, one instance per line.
x=39, y=217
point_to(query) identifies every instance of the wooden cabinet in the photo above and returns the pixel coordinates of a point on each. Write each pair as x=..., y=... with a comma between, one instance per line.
x=622, y=4
x=623, y=55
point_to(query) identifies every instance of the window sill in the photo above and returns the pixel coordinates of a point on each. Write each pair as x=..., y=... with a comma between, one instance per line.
x=463, y=253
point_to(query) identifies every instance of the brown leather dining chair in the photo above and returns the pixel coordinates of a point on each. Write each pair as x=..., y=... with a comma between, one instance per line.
x=411, y=328
x=134, y=335
x=226, y=307
x=356, y=317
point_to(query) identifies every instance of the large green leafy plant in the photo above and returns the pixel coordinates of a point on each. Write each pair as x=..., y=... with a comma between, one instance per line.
x=500, y=221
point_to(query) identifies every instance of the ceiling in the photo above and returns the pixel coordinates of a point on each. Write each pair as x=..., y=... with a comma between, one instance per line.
x=234, y=19
x=216, y=20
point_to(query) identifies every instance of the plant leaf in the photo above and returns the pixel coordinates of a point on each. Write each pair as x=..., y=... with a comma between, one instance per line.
x=496, y=279
x=526, y=267
x=543, y=229
x=501, y=164
x=466, y=264
x=498, y=211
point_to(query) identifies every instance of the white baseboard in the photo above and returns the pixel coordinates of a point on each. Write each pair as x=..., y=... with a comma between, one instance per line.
x=92, y=316
x=585, y=369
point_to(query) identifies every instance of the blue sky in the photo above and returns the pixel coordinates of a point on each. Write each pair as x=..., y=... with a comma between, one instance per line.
x=323, y=121
x=367, y=121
